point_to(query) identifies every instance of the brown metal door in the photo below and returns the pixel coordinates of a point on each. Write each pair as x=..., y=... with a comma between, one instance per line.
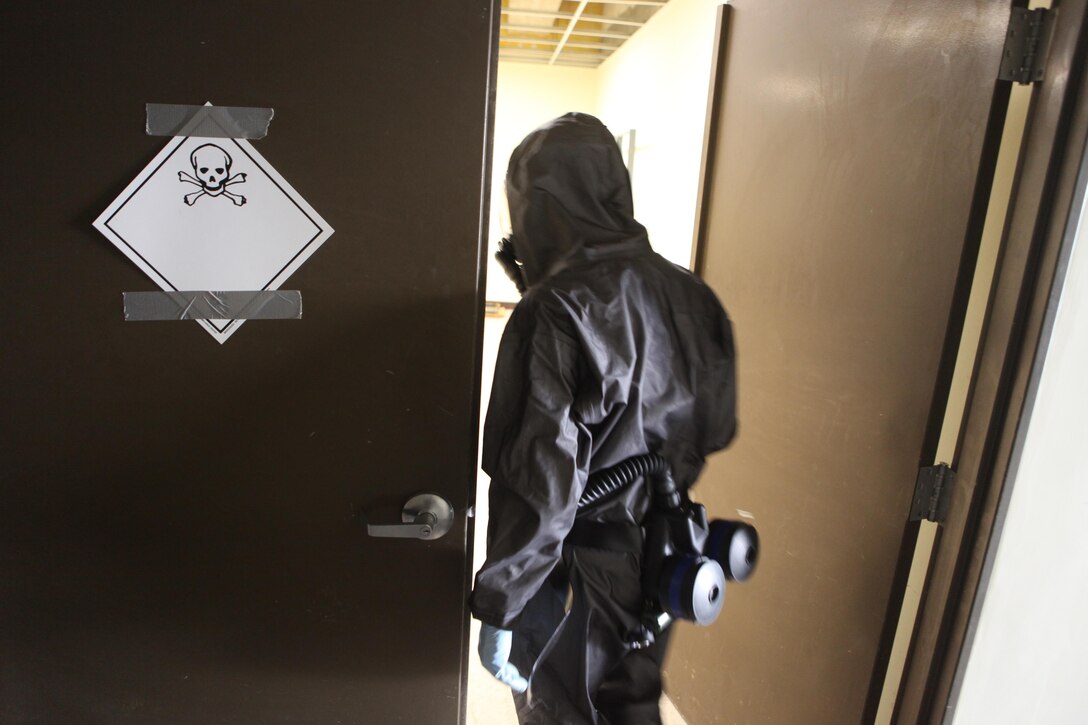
x=852, y=141
x=178, y=532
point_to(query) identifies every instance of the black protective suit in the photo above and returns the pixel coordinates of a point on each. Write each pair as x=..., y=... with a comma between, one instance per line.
x=612, y=352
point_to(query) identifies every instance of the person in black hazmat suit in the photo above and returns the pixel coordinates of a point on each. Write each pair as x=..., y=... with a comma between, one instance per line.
x=612, y=352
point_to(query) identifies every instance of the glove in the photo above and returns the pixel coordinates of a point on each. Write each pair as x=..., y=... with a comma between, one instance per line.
x=495, y=656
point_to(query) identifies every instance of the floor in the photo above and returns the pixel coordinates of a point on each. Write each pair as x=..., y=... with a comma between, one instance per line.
x=489, y=701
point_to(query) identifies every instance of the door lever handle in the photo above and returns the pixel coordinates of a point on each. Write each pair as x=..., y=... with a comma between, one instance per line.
x=426, y=516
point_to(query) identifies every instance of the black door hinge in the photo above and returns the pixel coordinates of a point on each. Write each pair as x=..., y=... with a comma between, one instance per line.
x=932, y=493
x=1027, y=43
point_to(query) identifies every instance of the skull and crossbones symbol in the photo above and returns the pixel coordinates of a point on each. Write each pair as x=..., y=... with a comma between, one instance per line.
x=211, y=165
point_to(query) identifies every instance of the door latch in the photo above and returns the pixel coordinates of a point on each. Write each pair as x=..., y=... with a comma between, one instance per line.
x=426, y=516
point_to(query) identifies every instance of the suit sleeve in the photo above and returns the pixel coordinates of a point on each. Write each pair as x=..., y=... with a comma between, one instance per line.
x=533, y=454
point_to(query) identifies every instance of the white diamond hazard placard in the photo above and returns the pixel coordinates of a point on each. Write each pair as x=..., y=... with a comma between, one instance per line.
x=212, y=214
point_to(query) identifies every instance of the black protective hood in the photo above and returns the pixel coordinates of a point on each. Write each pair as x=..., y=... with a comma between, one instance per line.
x=569, y=195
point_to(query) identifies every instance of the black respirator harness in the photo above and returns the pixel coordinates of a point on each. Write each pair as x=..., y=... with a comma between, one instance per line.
x=686, y=559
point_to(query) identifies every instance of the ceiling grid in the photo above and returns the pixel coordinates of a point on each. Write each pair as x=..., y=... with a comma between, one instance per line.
x=579, y=33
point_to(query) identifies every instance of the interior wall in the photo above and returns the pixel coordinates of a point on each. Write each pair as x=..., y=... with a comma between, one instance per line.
x=1026, y=661
x=657, y=84
x=528, y=95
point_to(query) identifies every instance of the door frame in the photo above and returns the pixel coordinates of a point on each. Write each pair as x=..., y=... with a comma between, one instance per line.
x=1028, y=268
x=720, y=56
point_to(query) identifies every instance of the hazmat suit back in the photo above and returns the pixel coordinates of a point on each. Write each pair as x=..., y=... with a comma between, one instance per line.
x=611, y=353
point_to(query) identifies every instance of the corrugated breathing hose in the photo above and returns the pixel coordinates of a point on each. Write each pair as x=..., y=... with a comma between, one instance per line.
x=604, y=483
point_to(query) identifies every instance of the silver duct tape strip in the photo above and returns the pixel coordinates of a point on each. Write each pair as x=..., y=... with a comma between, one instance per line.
x=169, y=119
x=259, y=305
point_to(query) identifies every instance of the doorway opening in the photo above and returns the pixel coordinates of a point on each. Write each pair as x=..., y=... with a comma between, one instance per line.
x=652, y=92
x=643, y=67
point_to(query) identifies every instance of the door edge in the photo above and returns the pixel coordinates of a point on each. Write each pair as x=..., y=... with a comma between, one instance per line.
x=468, y=505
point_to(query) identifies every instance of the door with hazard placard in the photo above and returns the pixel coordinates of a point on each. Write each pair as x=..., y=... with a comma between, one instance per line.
x=183, y=516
